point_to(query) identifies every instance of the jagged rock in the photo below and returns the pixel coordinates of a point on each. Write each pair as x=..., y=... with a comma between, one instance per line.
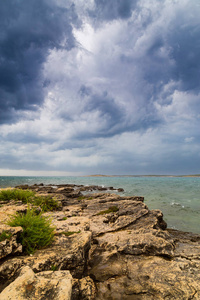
x=66, y=253
x=43, y=285
x=9, y=245
x=136, y=242
x=83, y=289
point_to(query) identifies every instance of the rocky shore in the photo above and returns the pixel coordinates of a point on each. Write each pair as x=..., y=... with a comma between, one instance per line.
x=105, y=247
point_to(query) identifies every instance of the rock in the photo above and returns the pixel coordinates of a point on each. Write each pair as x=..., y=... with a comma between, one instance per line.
x=149, y=278
x=83, y=289
x=43, y=285
x=9, y=209
x=9, y=240
x=137, y=242
x=64, y=190
x=66, y=253
x=113, y=246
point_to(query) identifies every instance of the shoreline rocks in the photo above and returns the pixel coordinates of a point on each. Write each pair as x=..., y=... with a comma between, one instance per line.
x=106, y=246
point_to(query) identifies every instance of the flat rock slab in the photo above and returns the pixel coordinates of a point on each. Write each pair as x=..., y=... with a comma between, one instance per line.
x=148, y=277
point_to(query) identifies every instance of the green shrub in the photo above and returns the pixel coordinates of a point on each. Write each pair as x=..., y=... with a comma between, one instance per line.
x=46, y=203
x=28, y=196
x=16, y=194
x=111, y=209
x=5, y=235
x=37, y=231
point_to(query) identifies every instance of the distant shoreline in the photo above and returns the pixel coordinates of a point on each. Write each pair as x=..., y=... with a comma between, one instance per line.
x=101, y=175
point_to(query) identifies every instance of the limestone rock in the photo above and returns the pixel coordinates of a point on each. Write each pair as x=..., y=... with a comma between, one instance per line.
x=9, y=245
x=45, y=285
x=136, y=242
x=83, y=289
x=151, y=278
x=66, y=253
x=114, y=247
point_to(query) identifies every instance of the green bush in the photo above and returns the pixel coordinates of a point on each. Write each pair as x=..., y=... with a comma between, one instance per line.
x=28, y=196
x=16, y=194
x=37, y=231
x=46, y=203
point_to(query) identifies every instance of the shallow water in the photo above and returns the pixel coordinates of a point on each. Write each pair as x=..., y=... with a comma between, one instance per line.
x=177, y=197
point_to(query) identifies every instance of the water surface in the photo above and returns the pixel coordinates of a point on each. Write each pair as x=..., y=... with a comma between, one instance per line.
x=177, y=197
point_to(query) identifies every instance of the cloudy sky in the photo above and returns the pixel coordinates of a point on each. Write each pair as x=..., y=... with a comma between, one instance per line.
x=99, y=87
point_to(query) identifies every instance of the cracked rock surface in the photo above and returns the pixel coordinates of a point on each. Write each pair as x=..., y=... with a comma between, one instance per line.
x=117, y=249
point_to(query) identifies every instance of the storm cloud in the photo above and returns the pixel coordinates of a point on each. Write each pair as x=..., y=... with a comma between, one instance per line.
x=29, y=29
x=100, y=86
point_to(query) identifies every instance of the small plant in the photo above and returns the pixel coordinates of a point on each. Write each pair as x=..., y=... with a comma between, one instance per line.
x=81, y=197
x=5, y=235
x=84, y=197
x=37, y=231
x=110, y=210
x=16, y=194
x=28, y=196
x=54, y=268
x=64, y=218
x=46, y=203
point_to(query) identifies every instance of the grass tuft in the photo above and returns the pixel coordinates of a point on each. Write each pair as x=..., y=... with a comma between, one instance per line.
x=28, y=196
x=46, y=203
x=110, y=210
x=16, y=194
x=5, y=235
x=37, y=231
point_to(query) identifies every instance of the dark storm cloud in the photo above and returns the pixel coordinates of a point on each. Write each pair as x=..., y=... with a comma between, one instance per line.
x=112, y=116
x=110, y=10
x=185, y=51
x=29, y=29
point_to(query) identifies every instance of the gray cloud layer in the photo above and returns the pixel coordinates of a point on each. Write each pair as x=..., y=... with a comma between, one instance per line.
x=103, y=86
x=29, y=30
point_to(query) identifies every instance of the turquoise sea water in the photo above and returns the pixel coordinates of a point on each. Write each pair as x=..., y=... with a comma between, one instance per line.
x=177, y=197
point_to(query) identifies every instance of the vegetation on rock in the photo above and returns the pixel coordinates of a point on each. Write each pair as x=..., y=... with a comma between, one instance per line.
x=16, y=194
x=5, y=235
x=46, y=203
x=37, y=230
x=28, y=196
x=110, y=210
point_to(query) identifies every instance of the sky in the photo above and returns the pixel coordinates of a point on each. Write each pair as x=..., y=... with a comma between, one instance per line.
x=99, y=87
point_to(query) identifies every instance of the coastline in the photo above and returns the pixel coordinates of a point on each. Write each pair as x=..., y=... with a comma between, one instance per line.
x=108, y=246
x=101, y=175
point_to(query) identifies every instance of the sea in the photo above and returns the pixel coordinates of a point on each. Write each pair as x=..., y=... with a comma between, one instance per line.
x=177, y=197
